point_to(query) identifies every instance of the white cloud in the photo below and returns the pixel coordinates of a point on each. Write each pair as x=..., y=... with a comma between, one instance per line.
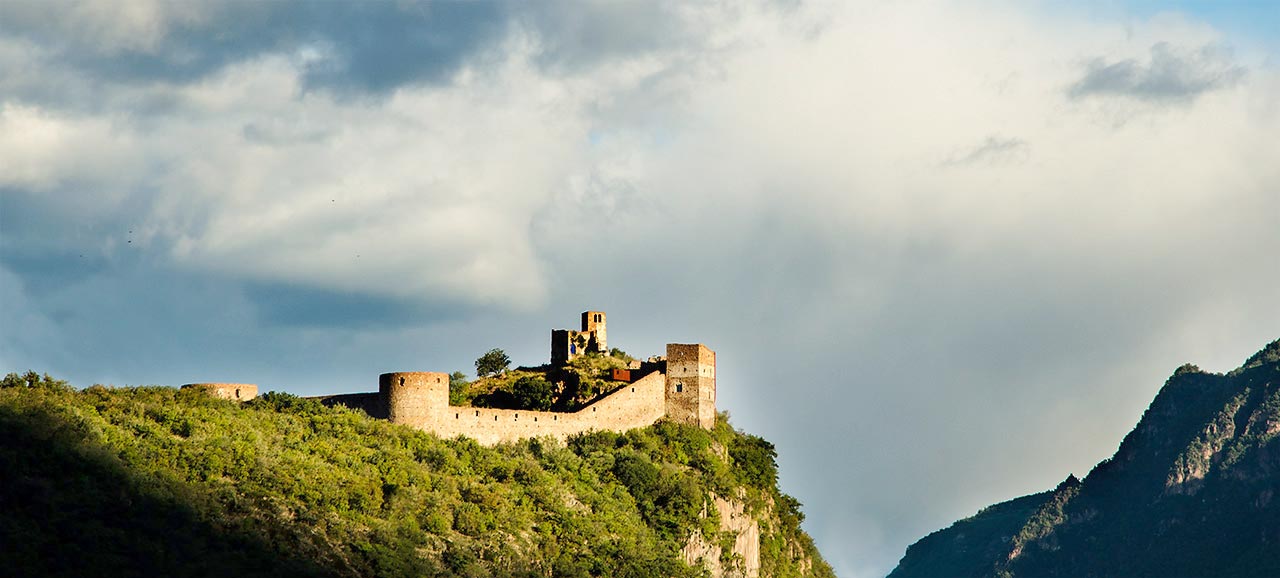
x=107, y=26
x=972, y=240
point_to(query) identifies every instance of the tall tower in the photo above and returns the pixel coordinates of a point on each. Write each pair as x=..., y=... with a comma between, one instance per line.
x=691, y=384
x=593, y=325
x=414, y=398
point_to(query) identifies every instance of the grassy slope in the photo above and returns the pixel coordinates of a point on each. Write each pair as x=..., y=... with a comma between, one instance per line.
x=584, y=379
x=154, y=481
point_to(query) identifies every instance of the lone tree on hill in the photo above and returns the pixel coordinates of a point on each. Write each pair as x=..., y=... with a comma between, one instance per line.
x=492, y=363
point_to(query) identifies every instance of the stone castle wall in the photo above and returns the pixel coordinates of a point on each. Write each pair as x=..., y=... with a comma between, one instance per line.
x=232, y=391
x=414, y=397
x=419, y=404
x=680, y=387
x=374, y=403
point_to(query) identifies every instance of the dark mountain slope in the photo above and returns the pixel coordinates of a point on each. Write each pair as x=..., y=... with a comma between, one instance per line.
x=1192, y=491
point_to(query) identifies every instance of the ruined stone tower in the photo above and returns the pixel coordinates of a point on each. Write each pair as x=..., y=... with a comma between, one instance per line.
x=567, y=344
x=593, y=324
x=691, y=384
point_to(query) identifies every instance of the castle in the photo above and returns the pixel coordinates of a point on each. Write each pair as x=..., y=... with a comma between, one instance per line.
x=567, y=344
x=680, y=387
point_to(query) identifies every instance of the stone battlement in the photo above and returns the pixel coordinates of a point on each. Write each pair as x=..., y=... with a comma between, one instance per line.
x=634, y=405
x=680, y=387
x=683, y=389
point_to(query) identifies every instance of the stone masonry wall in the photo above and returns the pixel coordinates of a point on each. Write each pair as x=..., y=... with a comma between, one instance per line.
x=371, y=403
x=414, y=397
x=635, y=405
x=232, y=391
x=680, y=387
x=595, y=324
x=691, y=384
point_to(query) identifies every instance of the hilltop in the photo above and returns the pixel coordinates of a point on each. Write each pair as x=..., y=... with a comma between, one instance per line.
x=155, y=481
x=1191, y=491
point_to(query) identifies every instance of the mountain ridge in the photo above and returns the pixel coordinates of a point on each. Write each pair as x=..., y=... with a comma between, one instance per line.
x=1189, y=492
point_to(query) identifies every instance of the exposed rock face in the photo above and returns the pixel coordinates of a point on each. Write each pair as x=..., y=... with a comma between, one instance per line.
x=1190, y=492
x=743, y=561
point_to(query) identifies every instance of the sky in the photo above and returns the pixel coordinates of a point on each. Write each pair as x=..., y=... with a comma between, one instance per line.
x=946, y=252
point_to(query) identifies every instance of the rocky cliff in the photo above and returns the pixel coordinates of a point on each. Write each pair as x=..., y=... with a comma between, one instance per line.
x=1190, y=492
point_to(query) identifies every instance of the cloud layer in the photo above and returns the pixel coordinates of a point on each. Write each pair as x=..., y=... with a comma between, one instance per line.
x=946, y=252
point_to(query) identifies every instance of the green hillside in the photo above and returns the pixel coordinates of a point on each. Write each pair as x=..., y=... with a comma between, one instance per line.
x=153, y=481
x=1193, y=490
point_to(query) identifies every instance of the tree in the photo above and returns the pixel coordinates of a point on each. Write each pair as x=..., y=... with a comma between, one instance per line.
x=459, y=387
x=492, y=363
x=532, y=392
x=755, y=461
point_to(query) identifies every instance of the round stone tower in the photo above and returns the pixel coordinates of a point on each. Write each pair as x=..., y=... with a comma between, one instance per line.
x=414, y=397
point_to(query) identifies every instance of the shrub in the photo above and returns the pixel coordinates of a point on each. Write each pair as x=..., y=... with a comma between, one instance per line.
x=532, y=392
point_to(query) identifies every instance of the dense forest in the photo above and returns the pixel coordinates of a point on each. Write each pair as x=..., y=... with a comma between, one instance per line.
x=1193, y=490
x=155, y=481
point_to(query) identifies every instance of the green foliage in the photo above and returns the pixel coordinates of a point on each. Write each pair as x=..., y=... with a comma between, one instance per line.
x=459, y=389
x=533, y=392
x=493, y=362
x=157, y=481
x=755, y=461
x=33, y=380
x=572, y=386
x=1268, y=355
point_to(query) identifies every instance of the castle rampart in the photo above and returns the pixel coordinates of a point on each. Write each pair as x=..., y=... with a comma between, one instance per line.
x=414, y=397
x=634, y=405
x=680, y=387
x=232, y=391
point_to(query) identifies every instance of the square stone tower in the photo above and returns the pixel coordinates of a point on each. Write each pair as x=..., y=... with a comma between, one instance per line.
x=691, y=384
x=593, y=325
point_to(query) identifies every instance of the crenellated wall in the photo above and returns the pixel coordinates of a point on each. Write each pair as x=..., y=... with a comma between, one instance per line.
x=635, y=405
x=680, y=386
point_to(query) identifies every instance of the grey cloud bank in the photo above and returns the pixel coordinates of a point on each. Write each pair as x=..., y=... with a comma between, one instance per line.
x=936, y=270
x=1169, y=75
